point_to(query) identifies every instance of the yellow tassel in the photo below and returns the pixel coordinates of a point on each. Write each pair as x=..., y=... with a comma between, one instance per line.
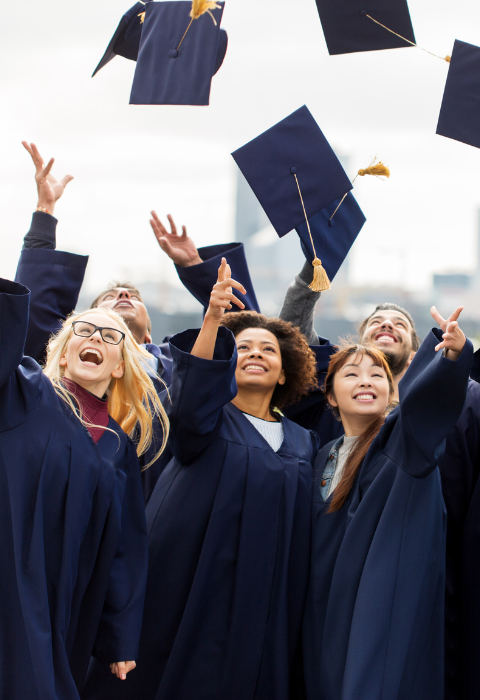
x=142, y=17
x=377, y=169
x=320, y=282
x=448, y=59
x=199, y=7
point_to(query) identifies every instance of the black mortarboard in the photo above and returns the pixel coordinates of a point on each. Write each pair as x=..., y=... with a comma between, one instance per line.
x=460, y=112
x=178, y=55
x=293, y=147
x=126, y=40
x=349, y=26
x=333, y=237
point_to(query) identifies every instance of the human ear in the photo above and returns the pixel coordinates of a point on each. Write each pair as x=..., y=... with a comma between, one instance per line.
x=282, y=378
x=332, y=400
x=119, y=371
x=63, y=361
x=148, y=338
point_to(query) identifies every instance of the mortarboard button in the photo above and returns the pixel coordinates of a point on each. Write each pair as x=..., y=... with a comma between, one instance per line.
x=356, y=25
x=459, y=113
x=266, y=163
x=187, y=80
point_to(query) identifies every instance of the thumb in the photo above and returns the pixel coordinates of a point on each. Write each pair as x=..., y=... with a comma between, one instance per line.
x=65, y=180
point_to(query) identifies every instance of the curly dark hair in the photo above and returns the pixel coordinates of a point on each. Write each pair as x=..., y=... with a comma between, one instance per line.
x=298, y=360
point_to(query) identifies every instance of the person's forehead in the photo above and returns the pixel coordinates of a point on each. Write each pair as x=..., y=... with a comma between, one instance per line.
x=259, y=335
x=99, y=319
x=389, y=315
x=116, y=290
x=360, y=360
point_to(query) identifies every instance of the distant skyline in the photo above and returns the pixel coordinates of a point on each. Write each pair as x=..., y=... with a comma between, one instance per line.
x=127, y=160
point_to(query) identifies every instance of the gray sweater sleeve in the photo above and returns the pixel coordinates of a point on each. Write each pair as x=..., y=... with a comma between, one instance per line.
x=299, y=304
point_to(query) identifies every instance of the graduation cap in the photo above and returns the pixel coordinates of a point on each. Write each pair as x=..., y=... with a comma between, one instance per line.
x=460, y=111
x=333, y=231
x=365, y=25
x=126, y=40
x=181, y=49
x=294, y=174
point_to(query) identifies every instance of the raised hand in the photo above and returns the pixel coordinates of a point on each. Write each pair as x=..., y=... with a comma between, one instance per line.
x=48, y=187
x=222, y=297
x=453, y=337
x=179, y=247
x=121, y=668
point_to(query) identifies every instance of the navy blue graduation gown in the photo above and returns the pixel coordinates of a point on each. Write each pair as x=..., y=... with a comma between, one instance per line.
x=460, y=470
x=72, y=530
x=229, y=548
x=375, y=614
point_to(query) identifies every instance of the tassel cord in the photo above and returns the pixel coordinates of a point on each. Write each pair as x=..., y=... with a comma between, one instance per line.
x=442, y=58
x=306, y=217
x=197, y=17
x=320, y=282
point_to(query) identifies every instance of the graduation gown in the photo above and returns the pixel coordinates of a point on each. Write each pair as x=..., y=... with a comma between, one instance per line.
x=72, y=530
x=229, y=548
x=375, y=613
x=55, y=279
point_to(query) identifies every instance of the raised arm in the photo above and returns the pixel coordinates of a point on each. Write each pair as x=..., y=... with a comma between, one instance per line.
x=203, y=380
x=300, y=302
x=54, y=277
x=432, y=396
x=197, y=269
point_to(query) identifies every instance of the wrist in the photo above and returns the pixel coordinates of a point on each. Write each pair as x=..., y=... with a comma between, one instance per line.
x=45, y=207
x=194, y=261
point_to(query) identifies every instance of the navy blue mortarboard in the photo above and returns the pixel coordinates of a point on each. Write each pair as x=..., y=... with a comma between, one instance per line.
x=460, y=112
x=294, y=150
x=294, y=174
x=126, y=40
x=365, y=25
x=334, y=230
x=180, y=51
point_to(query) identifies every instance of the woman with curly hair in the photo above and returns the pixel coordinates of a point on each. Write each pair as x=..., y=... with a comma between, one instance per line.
x=374, y=618
x=229, y=520
x=72, y=521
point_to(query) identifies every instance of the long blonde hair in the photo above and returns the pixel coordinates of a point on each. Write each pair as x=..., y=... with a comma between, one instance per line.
x=132, y=400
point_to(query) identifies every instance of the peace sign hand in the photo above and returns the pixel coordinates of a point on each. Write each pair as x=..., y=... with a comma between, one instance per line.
x=222, y=297
x=48, y=187
x=453, y=337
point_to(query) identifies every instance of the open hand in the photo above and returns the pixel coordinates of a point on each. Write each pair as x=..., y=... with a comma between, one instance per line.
x=121, y=668
x=179, y=248
x=222, y=297
x=48, y=187
x=453, y=337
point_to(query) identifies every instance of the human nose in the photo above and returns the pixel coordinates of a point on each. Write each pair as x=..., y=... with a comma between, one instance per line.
x=256, y=352
x=365, y=381
x=97, y=335
x=124, y=294
x=387, y=324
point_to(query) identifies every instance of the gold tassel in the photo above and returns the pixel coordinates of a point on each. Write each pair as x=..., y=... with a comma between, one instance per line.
x=200, y=7
x=320, y=282
x=142, y=17
x=378, y=169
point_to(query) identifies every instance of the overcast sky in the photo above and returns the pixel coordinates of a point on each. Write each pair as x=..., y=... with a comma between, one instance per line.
x=129, y=159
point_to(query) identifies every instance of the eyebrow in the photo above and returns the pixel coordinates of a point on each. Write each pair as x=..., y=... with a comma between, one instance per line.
x=262, y=342
x=352, y=364
x=394, y=318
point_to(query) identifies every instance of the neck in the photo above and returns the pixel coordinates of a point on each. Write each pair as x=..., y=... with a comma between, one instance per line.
x=356, y=425
x=396, y=382
x=255, y=404
x=98, y=389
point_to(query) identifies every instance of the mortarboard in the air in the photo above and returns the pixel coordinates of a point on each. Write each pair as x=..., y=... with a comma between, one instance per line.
x=365, y=25
x=126, y=40
x=180, y=51
x=293, y=172
x=460, y=111
x=333, y=230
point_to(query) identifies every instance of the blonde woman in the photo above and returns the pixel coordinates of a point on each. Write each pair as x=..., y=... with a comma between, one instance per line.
x=72, y=524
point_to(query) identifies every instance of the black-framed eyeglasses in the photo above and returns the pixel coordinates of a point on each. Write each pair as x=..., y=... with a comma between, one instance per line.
x=85, y=329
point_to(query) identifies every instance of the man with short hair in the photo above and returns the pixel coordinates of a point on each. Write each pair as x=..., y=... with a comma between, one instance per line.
x=392, y=329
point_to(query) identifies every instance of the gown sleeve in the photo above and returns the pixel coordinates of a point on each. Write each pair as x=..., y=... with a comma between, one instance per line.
x=200, y=390
x=121, y=621
x=55, y=279
x=199, y=279
x=14, y=303
x=432, y=395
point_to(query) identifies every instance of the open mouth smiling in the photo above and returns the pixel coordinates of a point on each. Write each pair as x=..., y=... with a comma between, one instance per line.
x=91, y=356
x=365, y=396
x=253, y=367
x=385, y=338
x=123, y=302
